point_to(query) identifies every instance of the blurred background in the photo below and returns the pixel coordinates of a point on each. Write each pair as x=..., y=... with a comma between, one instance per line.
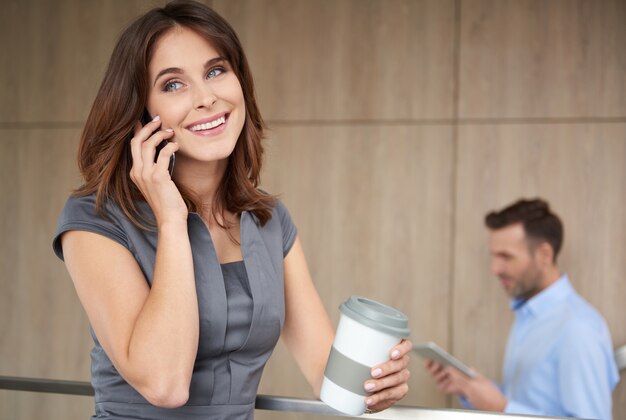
x=395, y=126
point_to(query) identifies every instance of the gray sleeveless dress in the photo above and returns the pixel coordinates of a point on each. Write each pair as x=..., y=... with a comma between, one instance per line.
x=241, y=307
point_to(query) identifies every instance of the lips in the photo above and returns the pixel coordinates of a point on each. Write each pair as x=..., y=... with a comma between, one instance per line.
x=208, y=124
x=506, y=282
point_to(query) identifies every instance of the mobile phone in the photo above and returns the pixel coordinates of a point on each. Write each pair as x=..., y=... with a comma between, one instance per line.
x=145, y=119
x=170, y=166
x=432, y=351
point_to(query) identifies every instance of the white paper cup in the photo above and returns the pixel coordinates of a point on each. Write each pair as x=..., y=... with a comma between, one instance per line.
x=366, y=333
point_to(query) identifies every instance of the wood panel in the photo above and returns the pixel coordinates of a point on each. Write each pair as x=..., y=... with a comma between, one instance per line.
x=19, y=405
x=372, y=202
x=534, y=58
x=348, y=59
x=373, y=208
x=55, y=55
x=44, y=330
x=579, y=169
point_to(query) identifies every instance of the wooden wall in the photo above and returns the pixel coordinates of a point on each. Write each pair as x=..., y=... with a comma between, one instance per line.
x=394, y=127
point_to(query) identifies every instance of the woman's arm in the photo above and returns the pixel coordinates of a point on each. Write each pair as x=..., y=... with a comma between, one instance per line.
x=309, y=334
x=150, y=334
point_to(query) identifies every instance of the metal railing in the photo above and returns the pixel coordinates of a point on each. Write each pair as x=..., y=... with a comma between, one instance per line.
x=620, y=358
x=274, y=403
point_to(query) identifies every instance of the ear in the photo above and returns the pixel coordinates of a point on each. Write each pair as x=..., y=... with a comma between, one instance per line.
x=544, y=254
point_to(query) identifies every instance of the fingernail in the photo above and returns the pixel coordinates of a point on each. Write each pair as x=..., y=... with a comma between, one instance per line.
x=395, y=354
x=376, y=372
x=157, y=118
x=369, y=401
x=169, y=130
x=369, y=386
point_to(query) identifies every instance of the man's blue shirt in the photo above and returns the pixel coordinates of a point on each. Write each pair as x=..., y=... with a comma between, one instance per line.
x=559, y=358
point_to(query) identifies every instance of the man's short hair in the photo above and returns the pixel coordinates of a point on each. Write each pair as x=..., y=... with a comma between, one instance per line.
x=535, y=216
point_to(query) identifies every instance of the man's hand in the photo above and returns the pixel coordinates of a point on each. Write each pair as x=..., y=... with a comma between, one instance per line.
x=479, y=391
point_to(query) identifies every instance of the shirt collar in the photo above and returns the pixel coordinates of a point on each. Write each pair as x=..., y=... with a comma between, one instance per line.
x=545, y=299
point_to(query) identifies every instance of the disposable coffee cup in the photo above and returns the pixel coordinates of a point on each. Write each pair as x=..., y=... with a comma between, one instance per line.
x=366, y=333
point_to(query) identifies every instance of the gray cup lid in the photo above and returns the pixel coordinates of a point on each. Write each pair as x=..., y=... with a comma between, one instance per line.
x=376, y=315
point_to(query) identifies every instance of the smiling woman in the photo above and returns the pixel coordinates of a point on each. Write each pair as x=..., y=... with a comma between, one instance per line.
x=143, y=70
x=200, y=99
x=189, y=278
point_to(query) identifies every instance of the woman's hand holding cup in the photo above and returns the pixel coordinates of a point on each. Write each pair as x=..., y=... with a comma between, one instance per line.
x=389, y=383
x=367, y=366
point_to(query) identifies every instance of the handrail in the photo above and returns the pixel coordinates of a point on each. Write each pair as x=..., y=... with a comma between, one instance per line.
x=620, y=358
x=51, y=386
x=275, y=403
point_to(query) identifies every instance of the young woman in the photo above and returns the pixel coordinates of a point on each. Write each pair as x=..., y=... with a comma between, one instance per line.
x=188, y=278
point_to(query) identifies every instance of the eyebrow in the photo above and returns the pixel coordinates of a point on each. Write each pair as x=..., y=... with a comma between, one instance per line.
x=504, y=254
x=176, y=70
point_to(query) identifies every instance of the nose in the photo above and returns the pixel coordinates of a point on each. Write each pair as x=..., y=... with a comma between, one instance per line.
x=204, y=96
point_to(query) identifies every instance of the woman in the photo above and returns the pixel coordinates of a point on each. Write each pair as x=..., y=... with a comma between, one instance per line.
x=188, y=278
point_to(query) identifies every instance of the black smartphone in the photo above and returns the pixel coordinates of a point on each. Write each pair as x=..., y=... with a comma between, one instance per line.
x=146, y=118
x=170, y=166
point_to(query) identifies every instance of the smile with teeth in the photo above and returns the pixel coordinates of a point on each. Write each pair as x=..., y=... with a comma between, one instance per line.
x=211, y=124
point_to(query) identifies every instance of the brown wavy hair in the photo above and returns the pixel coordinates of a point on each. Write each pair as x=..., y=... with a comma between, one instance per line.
x=104, y=157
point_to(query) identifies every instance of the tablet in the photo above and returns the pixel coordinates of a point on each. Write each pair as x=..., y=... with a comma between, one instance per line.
x=432, y=351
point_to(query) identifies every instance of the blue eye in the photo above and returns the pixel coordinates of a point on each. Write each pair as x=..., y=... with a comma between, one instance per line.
x=214, y=72
x=172, y=86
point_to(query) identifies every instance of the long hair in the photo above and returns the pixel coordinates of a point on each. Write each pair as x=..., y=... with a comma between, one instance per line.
x=104, y=157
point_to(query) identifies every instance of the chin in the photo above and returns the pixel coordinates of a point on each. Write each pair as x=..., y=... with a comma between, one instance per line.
x=208, y=153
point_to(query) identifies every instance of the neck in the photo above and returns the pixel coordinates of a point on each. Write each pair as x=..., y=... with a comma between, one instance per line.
x=549, y=276
x=200, y=178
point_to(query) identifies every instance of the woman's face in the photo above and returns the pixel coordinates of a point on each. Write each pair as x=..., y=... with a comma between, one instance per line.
x=195, y=92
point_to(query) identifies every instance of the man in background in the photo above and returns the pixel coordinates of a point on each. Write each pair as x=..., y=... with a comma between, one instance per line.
x=559, y=356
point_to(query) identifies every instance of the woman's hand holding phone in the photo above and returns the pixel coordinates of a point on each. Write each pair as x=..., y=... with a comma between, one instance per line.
x=152, y=176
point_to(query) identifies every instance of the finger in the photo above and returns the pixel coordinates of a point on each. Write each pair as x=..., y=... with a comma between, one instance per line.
x=143, y=132
x=454, y=373
x=401, y=349
x=433, y=367
x=441, y=375
x=454, y=381
x=452, y=387
x=428, y=366
x=386, y=398
x=146, y=130
x=390, y=367
x=163, y=161
x=388, y=381
x=141, y=135
x=148, y=148
x=449, y=385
